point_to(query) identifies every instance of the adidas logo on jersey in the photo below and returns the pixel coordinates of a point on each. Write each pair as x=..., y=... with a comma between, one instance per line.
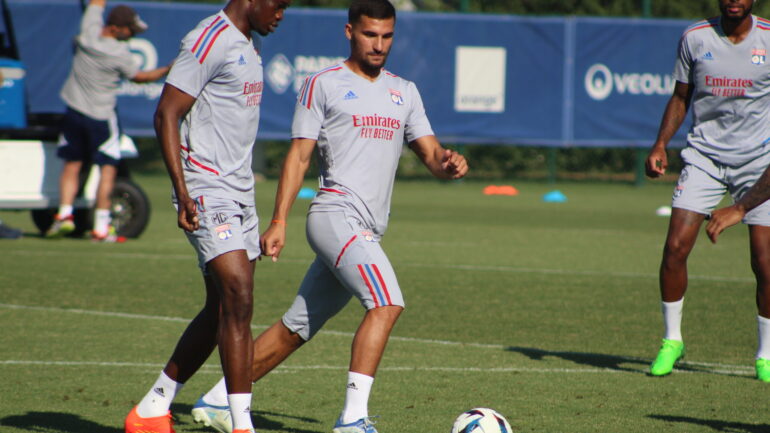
x=350, y=95
x=708, y=56
x=241, y=61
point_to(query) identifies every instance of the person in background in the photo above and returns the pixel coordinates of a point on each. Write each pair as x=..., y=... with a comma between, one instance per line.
x=90, y=125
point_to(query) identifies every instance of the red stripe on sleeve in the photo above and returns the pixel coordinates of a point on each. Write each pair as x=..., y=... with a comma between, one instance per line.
x=205, y=31
x=211, y=44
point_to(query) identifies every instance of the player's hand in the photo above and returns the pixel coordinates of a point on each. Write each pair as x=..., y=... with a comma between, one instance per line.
x=657, y=162
x=187, y=215
x=273, y=240
x=454, y=164
x=722, y=219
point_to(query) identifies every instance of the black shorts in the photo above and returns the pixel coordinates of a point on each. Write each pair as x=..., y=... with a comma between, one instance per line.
x=84, y=138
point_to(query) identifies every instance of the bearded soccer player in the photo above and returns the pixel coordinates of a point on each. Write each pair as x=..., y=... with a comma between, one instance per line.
x=358, y=115
x=723, y=72
x=206, y=122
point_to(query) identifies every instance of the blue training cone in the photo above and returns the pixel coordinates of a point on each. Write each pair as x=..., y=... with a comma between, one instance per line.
x=554, y=196
x=306, y=193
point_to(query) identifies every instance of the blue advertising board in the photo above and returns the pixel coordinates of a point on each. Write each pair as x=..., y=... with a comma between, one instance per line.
x=497, y=79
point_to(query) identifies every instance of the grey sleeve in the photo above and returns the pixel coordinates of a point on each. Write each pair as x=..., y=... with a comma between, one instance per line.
x=683, y=66
x=417, y=123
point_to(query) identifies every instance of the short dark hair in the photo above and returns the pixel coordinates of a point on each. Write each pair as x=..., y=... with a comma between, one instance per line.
x=377, y=9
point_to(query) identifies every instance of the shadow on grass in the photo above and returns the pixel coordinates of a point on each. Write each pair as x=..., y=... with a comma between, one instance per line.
x=263, y=421
x=612, y=362
x=720, y=426
x=73, y=423
x=55, y=421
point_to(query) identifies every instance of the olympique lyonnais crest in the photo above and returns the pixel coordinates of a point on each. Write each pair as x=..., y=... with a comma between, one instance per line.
x=395, y=96
x=758, y=56
x=223, y=232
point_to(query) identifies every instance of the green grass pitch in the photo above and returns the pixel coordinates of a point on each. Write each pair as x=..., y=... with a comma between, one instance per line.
x=546, y=312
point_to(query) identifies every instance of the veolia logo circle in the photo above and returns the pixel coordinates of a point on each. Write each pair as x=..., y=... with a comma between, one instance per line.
x=143, y=53
x=598, y=82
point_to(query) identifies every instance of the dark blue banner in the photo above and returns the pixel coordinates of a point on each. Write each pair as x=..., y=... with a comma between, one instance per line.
x=483, y=78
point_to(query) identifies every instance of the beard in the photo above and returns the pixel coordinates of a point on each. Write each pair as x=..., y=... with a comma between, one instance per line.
x=732, y=18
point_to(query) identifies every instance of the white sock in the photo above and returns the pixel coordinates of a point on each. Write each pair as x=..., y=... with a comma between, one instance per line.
x=240, y=409
x=158, y=399
x=102, y=221
x=763, y=350
x=356, y=397
x=217, y=396
x=672, y=319
x=65, y=210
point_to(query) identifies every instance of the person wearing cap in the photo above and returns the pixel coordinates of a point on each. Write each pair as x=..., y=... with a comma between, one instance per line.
x=89, y=130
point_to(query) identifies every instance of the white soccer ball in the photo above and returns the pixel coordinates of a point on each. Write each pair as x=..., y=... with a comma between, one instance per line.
x=481, y=420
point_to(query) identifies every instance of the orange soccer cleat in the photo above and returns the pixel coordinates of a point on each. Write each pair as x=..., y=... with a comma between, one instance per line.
x=158, y=424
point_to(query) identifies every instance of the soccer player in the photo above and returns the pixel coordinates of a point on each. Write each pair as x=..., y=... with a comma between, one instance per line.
x=214, y=90
x=358, y=115
x=90, y=125
x=723, y=71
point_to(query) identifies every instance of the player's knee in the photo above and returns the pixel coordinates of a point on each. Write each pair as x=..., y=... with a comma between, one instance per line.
x=388, y=314
x=237, y=296
x=676, y=251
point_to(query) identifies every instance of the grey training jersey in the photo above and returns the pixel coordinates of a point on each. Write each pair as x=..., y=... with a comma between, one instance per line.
x=731, y=97
x=360, y=127
x=219, y=66
x=100, y=63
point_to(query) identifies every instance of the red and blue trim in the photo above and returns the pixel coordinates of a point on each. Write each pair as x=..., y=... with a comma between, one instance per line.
x=206, y=40
x=306, y=92
x=763, y=23
x=703, y=24
x=376, y=284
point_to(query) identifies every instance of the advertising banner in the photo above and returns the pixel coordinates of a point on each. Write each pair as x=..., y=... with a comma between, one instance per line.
x=496, y=79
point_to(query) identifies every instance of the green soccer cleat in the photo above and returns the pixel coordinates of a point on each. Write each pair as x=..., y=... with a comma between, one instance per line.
x=60, y=227
x=763, y=369
x=670, y=352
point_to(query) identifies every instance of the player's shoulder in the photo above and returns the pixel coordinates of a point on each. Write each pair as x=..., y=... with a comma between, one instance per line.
x=700, y=27
x=318, y=80
x=329, y=73
x=763, y=23
x=213, y=38
x=397, y=82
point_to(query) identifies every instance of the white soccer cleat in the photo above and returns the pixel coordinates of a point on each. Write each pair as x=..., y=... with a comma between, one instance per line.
x=363, y=425
x=216, y=417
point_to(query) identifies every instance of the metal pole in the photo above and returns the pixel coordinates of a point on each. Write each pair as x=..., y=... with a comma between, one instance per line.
x=647, y=8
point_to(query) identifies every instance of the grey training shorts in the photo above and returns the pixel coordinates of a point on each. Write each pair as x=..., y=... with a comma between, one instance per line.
x=704, y=182
x=349, y=262
x=224, y=225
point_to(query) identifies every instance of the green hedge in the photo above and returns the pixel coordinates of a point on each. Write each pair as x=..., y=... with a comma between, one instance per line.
x=486, y=162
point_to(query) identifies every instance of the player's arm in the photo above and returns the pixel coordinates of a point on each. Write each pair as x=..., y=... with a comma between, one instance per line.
x=172, y=107
x=673, y=116
x=442, y=163
x=151, y=75
x=293, y=172
x=101, y=3
x=732, y=215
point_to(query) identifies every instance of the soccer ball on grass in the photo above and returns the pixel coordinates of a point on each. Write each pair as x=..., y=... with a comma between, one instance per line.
x=481, y=420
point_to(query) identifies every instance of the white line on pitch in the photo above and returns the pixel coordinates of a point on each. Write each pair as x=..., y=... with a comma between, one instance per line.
x=477, y=268
x=725, y=367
